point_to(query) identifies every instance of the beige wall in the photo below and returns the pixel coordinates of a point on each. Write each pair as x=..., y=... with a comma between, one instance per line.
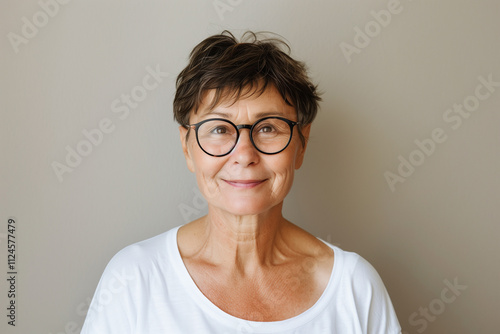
x=430, y=226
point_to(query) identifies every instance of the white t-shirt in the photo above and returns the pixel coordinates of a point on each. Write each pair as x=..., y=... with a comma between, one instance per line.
x=146, y=289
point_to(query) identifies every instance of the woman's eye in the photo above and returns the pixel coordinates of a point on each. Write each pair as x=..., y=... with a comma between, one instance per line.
x=219, y=130
x=266, y=129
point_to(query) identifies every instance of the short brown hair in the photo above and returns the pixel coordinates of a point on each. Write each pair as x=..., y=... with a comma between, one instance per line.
x=236, y=69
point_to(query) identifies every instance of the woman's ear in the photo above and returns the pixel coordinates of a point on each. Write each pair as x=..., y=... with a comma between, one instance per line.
x=184, y=141
x=301, y=150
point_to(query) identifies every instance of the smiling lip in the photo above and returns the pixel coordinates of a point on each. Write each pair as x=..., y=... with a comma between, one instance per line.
x=244, y=183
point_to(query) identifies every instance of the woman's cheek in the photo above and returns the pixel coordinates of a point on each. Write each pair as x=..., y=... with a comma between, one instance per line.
x=207, y=183
x=282, y=182
x=210, y=176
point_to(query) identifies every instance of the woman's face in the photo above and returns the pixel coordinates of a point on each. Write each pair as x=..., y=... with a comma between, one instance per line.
x=244, y=182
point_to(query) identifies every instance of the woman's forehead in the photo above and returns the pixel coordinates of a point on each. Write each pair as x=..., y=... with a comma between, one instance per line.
x=268, y=102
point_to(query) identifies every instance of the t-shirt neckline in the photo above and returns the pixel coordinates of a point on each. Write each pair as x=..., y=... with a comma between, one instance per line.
x=256, y=327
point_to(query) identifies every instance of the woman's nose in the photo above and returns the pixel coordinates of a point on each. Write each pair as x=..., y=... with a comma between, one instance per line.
x=245, y=152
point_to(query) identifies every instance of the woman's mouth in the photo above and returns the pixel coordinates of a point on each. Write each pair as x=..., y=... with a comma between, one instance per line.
x=244, y=183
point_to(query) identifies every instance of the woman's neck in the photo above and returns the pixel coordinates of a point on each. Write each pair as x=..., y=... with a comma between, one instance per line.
x=241, y=243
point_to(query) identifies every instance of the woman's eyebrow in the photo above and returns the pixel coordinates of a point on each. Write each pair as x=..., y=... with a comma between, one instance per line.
x=269, y=113
x=217, y=113
x=258, y=115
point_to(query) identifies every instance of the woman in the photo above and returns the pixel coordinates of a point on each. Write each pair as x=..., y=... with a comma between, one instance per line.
x=245, y=111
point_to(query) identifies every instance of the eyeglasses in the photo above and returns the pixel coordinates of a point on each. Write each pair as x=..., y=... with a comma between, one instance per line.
x=218, y=136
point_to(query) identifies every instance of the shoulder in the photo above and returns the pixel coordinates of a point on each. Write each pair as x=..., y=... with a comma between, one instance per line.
x=141, y=257
x=355, y=274
x=127, y=278
x=148, y=247
x=358, y=282
x=356, y=268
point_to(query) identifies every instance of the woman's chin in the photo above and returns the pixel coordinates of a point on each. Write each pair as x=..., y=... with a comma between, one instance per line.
x=245, y=207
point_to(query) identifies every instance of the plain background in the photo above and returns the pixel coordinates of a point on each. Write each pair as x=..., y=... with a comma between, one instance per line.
x=440, y=225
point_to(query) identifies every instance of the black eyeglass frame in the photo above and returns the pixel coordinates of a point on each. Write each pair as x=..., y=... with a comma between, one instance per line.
x=250, y=127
